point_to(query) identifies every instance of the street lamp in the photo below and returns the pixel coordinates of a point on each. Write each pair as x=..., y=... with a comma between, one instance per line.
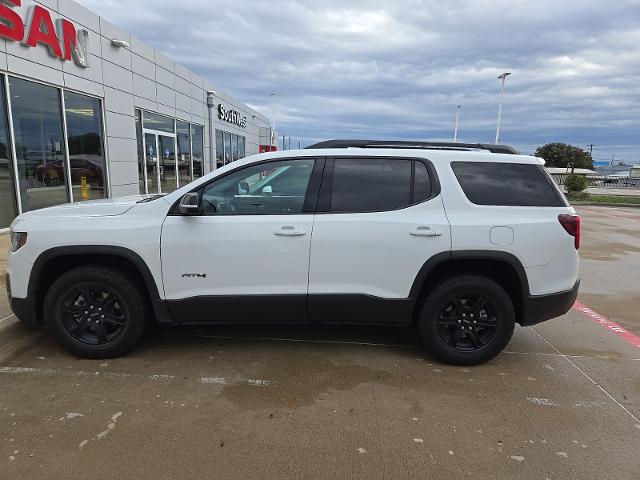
x=273, y=118
x=502, y=77
x=455, y=131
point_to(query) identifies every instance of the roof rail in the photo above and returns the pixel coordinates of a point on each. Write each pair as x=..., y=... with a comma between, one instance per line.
x=419, y=145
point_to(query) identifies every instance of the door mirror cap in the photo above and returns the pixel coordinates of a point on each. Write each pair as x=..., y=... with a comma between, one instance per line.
x=190, y=204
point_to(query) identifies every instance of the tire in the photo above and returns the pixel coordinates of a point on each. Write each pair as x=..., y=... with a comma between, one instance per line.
x=75, y=317
x=466, y=320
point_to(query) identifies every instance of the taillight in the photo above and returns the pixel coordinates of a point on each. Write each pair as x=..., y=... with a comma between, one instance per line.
x=571, y=224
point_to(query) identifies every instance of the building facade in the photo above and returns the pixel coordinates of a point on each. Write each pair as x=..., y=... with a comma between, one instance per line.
x=88, y=111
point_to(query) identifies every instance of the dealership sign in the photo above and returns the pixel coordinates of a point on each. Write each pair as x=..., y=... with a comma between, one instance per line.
x=231, y=116
x=63, y=42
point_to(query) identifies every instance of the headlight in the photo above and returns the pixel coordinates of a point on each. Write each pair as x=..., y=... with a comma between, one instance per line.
x=18, y=240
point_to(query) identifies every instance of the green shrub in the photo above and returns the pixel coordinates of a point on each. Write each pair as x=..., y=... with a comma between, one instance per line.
x=575, y=183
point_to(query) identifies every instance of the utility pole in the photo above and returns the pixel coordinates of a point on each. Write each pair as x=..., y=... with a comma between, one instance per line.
x=502, y=77
x=591, y=145
x=455, y=131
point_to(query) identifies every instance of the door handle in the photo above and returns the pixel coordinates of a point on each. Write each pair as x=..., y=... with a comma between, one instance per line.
x=289, y=231
x=426, y=232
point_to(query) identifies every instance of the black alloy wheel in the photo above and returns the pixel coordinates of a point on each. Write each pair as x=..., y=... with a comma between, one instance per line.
x=466, y=320
x=94, y=314
x=96, y=311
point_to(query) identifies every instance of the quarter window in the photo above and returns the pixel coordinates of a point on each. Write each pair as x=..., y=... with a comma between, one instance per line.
x=371, y=184
x=507, y=184
x=275, y=188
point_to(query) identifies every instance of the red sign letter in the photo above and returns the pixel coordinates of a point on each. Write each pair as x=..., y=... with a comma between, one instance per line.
x=39, y=18
x=10, y=22
x=69, y=38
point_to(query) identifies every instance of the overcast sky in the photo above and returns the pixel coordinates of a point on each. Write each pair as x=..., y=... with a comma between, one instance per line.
x=397, y=69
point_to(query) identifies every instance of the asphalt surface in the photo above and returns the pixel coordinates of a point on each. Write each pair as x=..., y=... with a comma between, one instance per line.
x=241, y=402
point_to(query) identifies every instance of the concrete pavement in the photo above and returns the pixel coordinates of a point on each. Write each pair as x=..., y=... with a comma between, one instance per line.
x=283, y=402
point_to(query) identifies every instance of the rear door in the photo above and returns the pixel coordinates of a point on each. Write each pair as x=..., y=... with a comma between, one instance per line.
x=379, y=220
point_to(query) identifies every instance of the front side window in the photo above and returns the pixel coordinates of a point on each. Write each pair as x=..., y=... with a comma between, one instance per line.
x=86, y=146
x=370, y=184
x=507, y=184
x=274, y=188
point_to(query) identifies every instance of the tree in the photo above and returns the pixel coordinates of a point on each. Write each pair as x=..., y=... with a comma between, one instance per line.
x=564, y=155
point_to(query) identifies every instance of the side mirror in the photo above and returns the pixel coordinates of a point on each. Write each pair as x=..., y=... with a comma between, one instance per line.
x=267, y=191
x=243, y=188
x=190, y=204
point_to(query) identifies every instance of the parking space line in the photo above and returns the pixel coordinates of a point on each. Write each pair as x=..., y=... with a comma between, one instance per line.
x=207, y=380
x=610, y=325
x=586, y=375
x=593, y=357
x=6, y=318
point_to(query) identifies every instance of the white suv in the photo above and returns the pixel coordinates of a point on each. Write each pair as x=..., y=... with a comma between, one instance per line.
x=460, y=240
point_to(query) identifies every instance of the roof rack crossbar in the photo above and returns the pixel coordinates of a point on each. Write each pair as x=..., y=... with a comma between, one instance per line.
x=411, y=144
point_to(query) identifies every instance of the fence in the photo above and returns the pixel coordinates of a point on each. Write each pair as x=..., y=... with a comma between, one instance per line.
x=602, y=181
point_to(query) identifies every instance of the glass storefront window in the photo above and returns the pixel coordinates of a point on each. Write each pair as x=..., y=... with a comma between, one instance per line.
x=153, y=121
x=241, y=147
x=167, y=153
x=234, y=148
x=7, y=185
x=219, y=149
x=197, y=150
x=141, y=165
x=37, y=124
x=184, y=153
x=227, y=147
x=86, y=148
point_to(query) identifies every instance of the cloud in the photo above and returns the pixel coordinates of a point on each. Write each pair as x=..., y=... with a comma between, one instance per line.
x=383, y=69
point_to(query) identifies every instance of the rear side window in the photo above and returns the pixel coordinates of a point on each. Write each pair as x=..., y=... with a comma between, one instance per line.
x=507, y=184
x=372, y=184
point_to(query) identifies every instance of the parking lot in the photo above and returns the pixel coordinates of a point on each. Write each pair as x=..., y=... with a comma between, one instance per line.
x=263, y=402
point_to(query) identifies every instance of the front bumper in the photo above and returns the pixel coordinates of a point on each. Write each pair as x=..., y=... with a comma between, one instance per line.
x=539, y=308
x=23, y=308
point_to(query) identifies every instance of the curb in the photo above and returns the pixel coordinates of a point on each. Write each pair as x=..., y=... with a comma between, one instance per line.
x=603, y=204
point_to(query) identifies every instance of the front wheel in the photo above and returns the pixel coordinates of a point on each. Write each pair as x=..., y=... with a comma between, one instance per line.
x=95, y=312
x=467, y=320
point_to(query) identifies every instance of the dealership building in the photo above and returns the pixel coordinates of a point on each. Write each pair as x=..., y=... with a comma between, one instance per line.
x=88, y=111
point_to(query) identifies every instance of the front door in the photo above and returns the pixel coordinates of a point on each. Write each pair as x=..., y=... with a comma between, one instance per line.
x=245, y=257
x=168, y=167
x=161, y=163
x=151, y=162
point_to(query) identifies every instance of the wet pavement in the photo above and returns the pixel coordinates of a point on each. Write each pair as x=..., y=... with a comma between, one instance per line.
x=278, y=402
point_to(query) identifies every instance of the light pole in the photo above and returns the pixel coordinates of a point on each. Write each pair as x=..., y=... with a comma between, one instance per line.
x=273, y=118
x=455, y=131
x=502, y=77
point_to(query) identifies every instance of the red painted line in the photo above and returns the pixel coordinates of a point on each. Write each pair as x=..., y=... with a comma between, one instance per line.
x=610, y=325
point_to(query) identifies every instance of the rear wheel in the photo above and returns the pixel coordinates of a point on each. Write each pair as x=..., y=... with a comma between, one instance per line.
x=467, y=320
x=95, y=312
